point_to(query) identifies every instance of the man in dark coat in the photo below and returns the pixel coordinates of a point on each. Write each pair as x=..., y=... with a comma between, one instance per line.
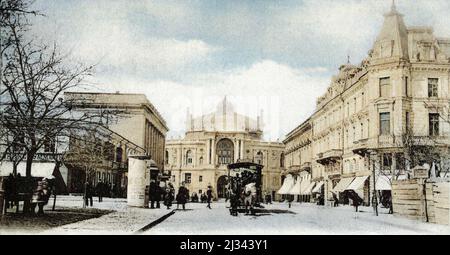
x=88, y=194
x=182, y=196
x=336, y=200
x=209, y=195
x=154, y=190
x=170, y=195
x=99, y=191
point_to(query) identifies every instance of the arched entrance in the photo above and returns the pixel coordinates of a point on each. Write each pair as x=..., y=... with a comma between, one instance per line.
x=222, y=186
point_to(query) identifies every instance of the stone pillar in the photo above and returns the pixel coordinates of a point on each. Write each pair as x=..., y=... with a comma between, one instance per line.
x=138, y=179
x=213, y=152
x=242, y=149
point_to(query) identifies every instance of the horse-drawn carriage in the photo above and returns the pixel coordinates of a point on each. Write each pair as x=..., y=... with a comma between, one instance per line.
x=244, y=187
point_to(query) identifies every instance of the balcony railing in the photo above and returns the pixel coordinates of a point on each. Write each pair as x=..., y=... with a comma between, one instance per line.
x=330, y=156
x=361, y=146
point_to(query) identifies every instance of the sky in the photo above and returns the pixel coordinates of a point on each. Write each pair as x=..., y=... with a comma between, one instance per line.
x=274, y=56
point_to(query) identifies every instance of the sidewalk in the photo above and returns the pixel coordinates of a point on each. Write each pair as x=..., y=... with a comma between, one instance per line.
x=124, y=219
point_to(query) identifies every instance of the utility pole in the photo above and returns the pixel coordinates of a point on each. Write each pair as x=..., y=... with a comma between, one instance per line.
x=375, y=197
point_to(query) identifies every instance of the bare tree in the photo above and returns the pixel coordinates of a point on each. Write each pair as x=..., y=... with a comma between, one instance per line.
x=34, y=80
x=88, y=151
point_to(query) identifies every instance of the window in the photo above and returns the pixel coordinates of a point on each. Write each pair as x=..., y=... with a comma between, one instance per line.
x=282, y=160
x=49, y=145
x=386, y=161
x=433, y=123
x=166, y=160
x=187, y=177
x=189, y=157
x=225, y=151
x=400, y=161
x=200, y=178
x=407, y=121
x=406, y=86
x=385, y=87
x=200, y=160
x=259, y=158
x=119, y=153
x=385, y=123
x=433, y=87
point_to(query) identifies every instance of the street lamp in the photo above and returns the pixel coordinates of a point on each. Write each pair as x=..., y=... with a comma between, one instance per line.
x=374, y=197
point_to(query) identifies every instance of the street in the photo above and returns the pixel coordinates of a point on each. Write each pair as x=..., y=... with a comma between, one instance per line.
x=300, y=219
x=276, y=219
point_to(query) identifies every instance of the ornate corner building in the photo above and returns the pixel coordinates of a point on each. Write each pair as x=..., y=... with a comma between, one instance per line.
x=372, y=112
x=213, y=141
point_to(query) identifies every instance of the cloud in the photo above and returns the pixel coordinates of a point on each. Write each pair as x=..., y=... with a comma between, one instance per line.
x=105, y=33
x=274, y=55
x=285, y=94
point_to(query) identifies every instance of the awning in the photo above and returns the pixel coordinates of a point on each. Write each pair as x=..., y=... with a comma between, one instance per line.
x=357, y=183
x=308, y=189
x=342, y=185
x=295, y=190
x=38, y=169
x=305, y=184
x=287, y=185
x=318, y=187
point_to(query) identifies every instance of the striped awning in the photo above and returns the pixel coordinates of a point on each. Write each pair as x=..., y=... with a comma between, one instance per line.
x=287, y=185
x=342, y=185
x=295, y=190
x=318, y=187
x=357, y=183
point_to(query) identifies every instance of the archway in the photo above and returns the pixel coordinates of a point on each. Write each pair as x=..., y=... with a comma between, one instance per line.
x=222, y=186
x=225, y=151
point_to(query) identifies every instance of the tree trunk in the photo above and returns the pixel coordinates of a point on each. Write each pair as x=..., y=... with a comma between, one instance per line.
x=29, y=183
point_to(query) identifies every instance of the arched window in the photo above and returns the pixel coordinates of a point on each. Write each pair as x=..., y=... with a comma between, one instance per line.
x=119, y=152
x=166, y=159
x=200, y=161
x=225, y=151
x=189, y=157
x=259, y=158
x=282, y=160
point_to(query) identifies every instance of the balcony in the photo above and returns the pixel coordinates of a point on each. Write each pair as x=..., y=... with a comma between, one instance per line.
x=305, y=166
x=361, y=147
x=329, y=157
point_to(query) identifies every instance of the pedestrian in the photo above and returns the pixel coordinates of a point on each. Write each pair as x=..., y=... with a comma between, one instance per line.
x=209, y=196
x=170, y=191
x=336, y=200
x=88, y=194
x=40, y=196
x=99, y=191
x=182, y=196
x=153, y=193
x=355, y=200
x=391, y=211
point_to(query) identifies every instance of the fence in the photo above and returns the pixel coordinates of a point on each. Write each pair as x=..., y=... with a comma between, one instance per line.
x=421, y=199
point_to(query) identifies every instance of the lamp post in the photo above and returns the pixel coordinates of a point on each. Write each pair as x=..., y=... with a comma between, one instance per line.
x=374, y=197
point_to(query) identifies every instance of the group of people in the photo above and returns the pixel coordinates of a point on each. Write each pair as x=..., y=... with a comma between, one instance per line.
x=161, y=191
x=16, y=190
x=101, y=190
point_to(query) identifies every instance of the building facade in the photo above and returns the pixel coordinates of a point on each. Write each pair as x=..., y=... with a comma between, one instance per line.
x=363, y=125
x=136, y=128
x=213, y=141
